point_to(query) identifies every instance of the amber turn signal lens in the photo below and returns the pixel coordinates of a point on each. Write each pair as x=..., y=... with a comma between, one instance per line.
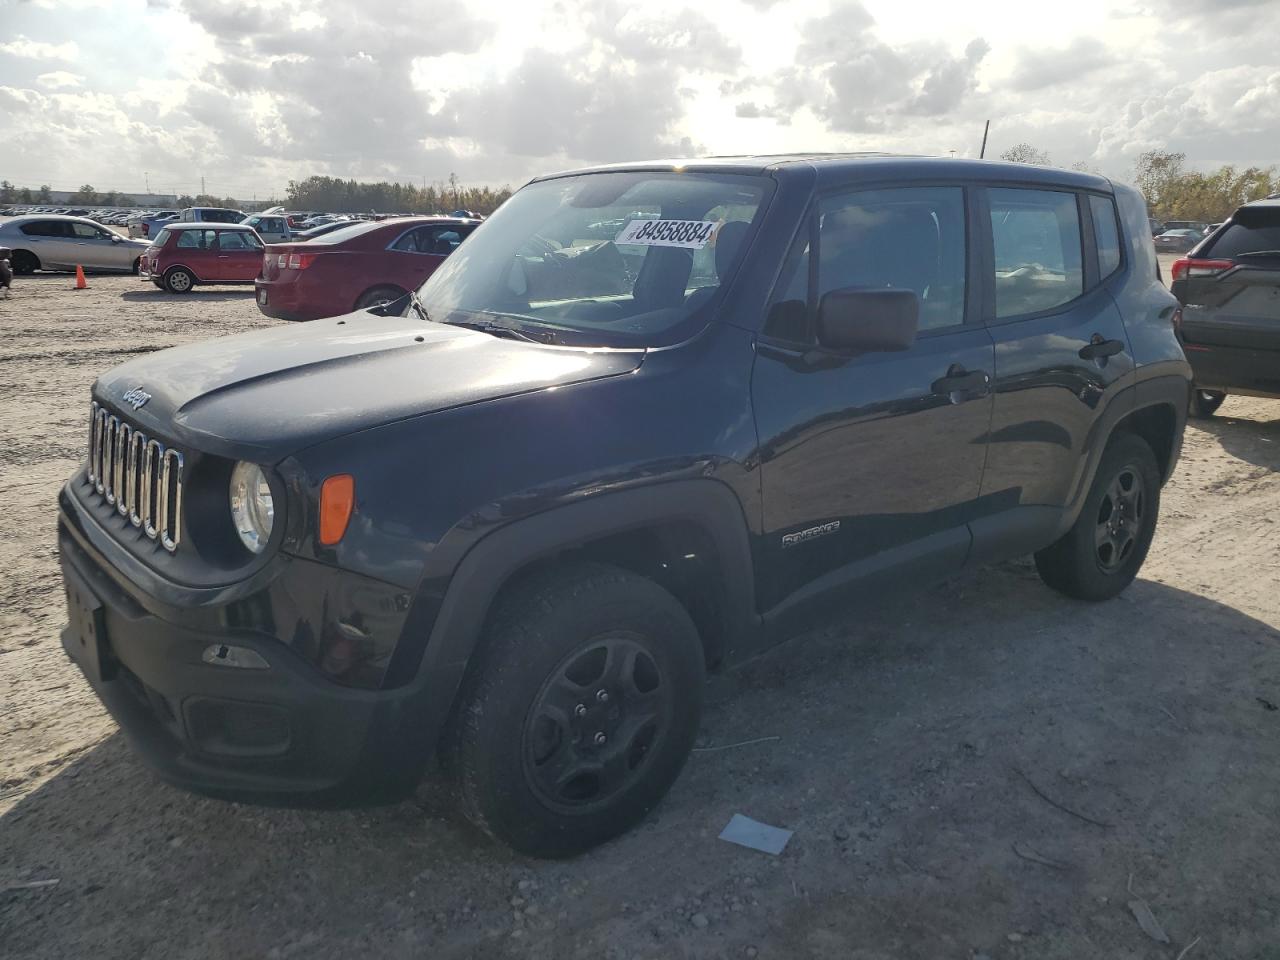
x=337, y=500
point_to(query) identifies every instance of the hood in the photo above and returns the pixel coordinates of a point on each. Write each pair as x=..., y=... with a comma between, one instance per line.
x=264, y=395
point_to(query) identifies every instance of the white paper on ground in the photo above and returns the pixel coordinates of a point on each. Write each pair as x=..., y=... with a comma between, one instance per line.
x=746, y=832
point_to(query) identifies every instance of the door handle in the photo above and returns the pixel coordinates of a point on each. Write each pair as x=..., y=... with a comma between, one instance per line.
x=1097, y=348
x=962, y=384
x=224, y=256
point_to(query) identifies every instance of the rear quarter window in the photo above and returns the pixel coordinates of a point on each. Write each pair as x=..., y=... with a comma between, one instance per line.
x=1106, y=234
x=1242, y=238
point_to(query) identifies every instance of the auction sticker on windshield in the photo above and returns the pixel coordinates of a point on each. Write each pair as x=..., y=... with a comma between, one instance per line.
x=690, y=234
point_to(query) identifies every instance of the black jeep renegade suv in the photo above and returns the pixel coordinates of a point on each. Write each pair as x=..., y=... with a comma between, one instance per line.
x=644, y=421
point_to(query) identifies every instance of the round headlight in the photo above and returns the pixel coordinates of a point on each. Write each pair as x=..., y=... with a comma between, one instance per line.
x=252, y=510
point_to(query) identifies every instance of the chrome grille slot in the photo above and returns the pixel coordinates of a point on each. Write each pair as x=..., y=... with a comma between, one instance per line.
x=137, y=475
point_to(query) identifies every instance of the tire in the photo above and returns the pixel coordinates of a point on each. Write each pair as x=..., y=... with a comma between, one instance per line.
x=378, y=296
x=24, y=262
x=137, y=262
x=1205, y=403
x=579, y=711
x=1103, y=551
x=179, y=280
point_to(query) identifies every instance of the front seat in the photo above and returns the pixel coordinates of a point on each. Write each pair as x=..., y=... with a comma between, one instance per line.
x=727, y=243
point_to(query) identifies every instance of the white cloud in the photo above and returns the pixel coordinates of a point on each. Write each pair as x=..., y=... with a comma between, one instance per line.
x=20, y=46
x=252, y=94
x=59, y=80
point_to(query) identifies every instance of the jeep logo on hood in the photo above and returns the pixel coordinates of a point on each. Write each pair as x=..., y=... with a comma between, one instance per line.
x=136, y=398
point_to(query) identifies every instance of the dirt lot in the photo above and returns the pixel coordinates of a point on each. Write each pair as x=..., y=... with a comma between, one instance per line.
x=987, y=769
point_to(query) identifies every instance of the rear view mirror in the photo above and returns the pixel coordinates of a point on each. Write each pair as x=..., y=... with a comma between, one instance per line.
x=865, y=320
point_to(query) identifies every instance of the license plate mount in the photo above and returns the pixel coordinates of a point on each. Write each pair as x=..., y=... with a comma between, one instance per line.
x=85, y=636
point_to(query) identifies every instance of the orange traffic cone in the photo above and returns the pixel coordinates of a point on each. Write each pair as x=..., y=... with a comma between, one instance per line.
x=81, y=283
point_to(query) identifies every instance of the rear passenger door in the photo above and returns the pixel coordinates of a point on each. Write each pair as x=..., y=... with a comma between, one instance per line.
x=1062, y=354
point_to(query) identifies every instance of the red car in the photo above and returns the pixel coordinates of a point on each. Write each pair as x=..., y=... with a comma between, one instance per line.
x=185, y=254
x=359, y=266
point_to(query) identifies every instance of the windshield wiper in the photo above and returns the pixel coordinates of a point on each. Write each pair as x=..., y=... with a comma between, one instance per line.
x=500, y=330
x=417, y=306
x=1258, y=253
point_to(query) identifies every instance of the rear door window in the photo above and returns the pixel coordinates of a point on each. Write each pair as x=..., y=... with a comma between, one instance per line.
x=1037, y=245
x=1106, y=234
x=44, y=228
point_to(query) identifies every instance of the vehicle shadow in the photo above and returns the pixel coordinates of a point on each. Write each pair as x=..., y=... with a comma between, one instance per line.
x=211, y=292
x=1254, y=441
x=987, y=757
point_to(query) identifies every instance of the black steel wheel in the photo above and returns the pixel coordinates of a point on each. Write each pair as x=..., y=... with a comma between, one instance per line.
x=1104, y=549
x=597, y=719
x=578, y=711
x=1120, y=519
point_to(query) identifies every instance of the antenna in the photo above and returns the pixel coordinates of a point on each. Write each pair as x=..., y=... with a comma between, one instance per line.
x=985, y=130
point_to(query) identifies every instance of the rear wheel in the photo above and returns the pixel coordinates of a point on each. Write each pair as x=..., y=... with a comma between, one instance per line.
x=24, y=262
x=137, y=263
x=1205, y=403
x=1103, y=551
x=580, y=711
x=178, y=280
x=378, y=296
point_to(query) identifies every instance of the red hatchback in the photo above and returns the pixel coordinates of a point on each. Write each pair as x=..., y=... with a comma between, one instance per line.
x=185, y=254
x=356, y=267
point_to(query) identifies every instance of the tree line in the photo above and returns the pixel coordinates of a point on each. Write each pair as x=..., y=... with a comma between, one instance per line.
x=1175, y=193
x=350, y=196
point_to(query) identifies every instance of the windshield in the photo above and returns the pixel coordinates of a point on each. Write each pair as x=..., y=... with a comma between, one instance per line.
x=607, y=259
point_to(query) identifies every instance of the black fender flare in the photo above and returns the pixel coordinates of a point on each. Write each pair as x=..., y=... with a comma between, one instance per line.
x=1165, y=390
x=490, y=564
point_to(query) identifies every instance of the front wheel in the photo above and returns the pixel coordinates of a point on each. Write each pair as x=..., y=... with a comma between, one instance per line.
x=178, y=280
x=1205, y=403
x=580, y=712
x=1103, y=551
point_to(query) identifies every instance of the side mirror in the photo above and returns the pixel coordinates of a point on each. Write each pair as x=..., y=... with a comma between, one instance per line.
x=868, y=320
x=116, y=238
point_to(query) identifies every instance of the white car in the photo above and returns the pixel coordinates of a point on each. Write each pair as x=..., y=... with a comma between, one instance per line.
x=271, y=228
x=49, y=242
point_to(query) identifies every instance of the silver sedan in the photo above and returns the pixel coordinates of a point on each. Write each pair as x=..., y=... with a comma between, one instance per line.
x=48, y=242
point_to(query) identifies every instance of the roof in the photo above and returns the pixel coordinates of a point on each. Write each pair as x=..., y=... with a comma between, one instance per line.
x=206, y=225
x=839, y=166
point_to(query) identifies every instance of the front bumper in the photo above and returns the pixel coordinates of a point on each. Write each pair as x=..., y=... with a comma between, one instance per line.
x=285, y=734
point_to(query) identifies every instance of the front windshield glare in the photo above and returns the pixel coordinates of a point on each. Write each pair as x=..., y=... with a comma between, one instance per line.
x=610, y=259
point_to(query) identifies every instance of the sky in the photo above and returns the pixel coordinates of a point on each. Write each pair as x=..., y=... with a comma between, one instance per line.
x=136, y=94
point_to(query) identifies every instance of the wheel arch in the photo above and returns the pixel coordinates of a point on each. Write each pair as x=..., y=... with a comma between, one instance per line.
x=24, y=252
x=1154, y=409
x=638, y=530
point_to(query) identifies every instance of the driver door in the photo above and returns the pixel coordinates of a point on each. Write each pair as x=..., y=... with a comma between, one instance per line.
x=871, y=464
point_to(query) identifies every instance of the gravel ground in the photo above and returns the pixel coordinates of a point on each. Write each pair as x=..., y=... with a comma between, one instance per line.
x=987, y=769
